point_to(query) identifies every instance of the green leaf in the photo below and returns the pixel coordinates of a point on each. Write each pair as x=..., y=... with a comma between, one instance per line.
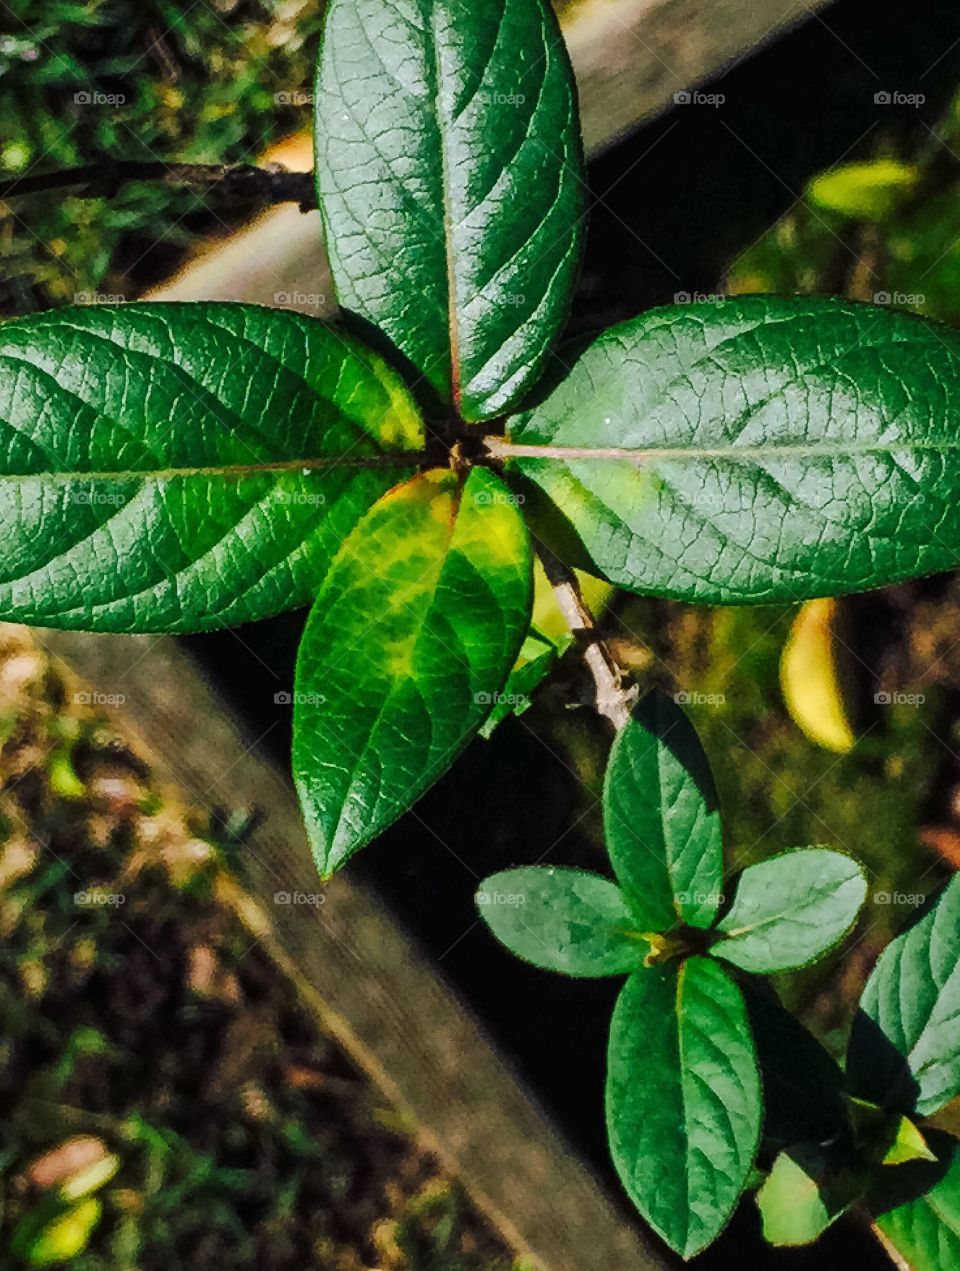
x=789, y=910
x=683, y=1098
x=180, y=467
x=752, y=450
x=536, y=659
x=905, y=1044
x=450, y=179
x=563, y=920
x=662, y=819
x=919, y=1209
x=806, y=1191
x=412, y=635
x=907, y=1144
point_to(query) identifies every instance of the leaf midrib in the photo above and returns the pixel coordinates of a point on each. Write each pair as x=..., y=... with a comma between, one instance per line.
x=398, y=458
x=502, y=449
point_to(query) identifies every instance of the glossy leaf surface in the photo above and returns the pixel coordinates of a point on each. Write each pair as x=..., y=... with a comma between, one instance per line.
x=412, y=636
x=789, y=910
x=180, y=467
x=561, y=919
x=683, y=1098
x=662, y=819
x=450, y=179
x=754, y=450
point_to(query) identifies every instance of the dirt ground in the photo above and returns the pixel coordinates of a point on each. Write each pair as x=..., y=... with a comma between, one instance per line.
x=163, y=1098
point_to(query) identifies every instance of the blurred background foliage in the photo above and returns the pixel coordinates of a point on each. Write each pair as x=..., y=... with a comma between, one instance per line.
x=212, y=82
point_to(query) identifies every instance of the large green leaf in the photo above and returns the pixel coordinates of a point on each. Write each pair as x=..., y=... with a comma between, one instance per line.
x=174, y=467
x=683, y=1098
x=450, y=180
x=412, y=636
x=662, y=819
x=756, y=449
x=924, y=1228
x=563, y=920
x=789, y=910
x=905, y=1044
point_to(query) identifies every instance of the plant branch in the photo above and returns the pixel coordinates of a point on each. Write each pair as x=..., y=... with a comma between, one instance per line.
x=267, y=185
x=615, y=699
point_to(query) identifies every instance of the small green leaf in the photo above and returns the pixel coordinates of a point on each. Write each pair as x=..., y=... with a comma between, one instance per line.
x=563, y=920
x=412, y=636
x=904, y=1049
x=754, y=450
x=536, y=659
x=450, y=179
x=806, y=1191
x=907, y=1144
x=181, y=467
x=662, y=819
x=918, y=1209
x=683, y=1098
x=789, y=910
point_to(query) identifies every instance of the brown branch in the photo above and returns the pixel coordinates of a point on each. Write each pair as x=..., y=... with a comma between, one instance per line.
x=267, y=185
x=615, y=698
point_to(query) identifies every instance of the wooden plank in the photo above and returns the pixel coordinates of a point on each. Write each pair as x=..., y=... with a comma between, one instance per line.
x=368, y=984
x=632, y=56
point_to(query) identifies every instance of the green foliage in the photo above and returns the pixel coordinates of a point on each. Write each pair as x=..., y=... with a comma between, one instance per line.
x=683, y=1139
x=905, y=1046
x=924, y=1228
x=662, y=819
x=683, y=1098
x=450, y=180
x=565, y=920
x=205, y=83
x=182, y=468
x=790, y=909
x=750, y=450
x=438, y=577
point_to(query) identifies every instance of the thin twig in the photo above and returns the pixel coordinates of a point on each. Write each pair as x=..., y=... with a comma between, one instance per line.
x=267, y=185
x=615, y=698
